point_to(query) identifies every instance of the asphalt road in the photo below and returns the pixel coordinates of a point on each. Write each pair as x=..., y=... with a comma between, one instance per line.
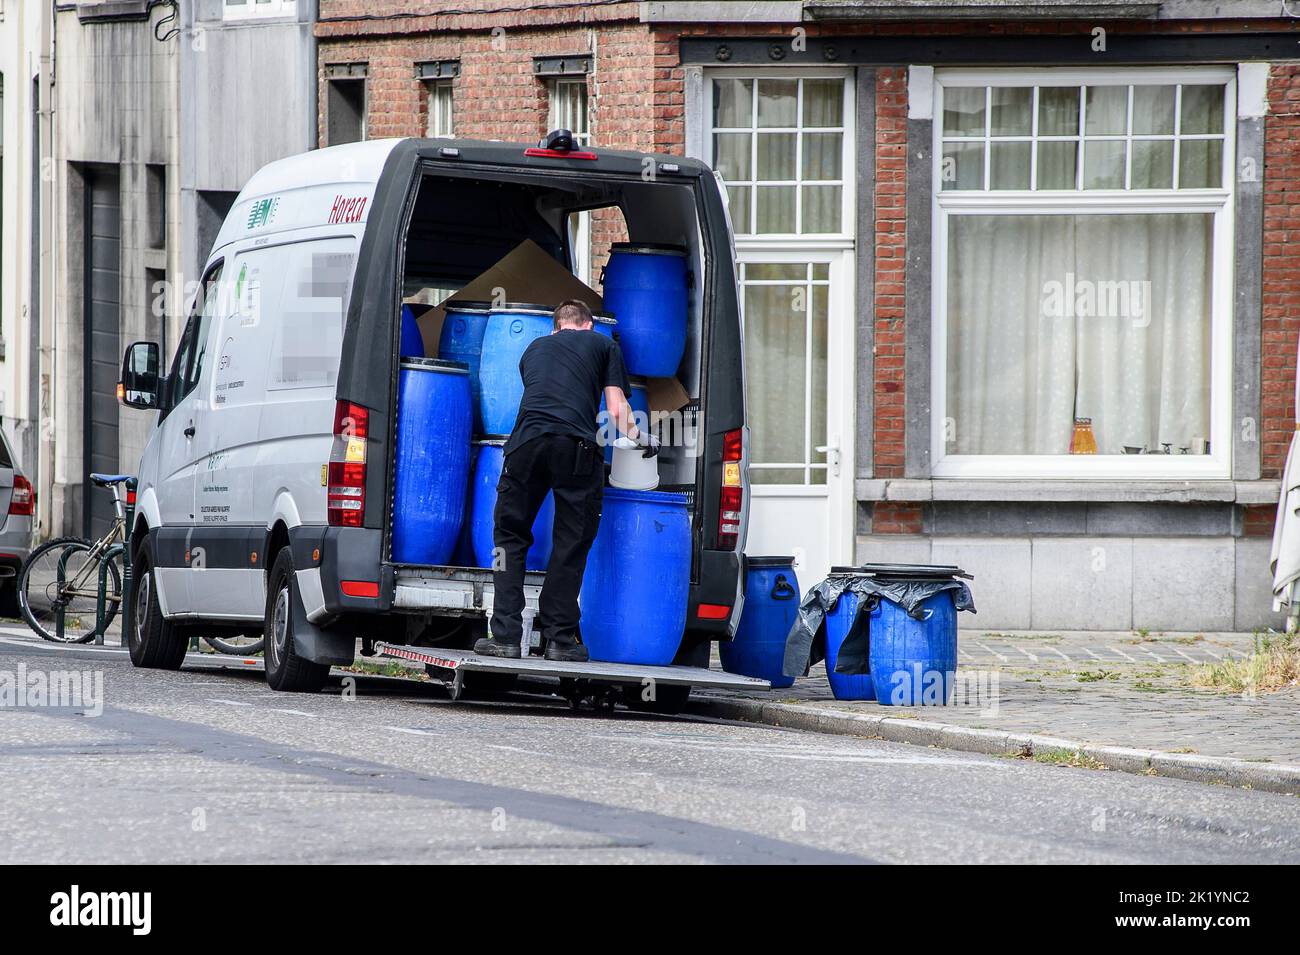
x=208, y=765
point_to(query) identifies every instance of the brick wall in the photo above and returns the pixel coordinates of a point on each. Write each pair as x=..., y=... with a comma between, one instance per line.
x=1281, y=302
x=891, y=267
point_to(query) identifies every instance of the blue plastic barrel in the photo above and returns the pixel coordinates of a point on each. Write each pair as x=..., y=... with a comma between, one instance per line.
x=771, y=606
x=914, y=662
x=637, y=581
x=838, y=622
x=640, y=403
x=463, y=324
x=412, y=341
x=483, y=502
x=433, y=432
x=510, y=329
x=645, y=287
x=604, y=323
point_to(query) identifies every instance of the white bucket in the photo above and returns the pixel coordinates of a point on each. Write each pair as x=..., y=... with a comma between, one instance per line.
x=632, y=470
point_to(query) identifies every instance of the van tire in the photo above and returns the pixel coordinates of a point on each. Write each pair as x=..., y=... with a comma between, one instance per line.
x=285, y=669
x=153, y=642
x=670, y=699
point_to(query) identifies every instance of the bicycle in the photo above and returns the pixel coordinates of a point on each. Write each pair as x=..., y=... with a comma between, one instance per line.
x=40, y=597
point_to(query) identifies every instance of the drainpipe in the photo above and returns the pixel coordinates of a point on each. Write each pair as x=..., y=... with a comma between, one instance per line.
x=44, y=412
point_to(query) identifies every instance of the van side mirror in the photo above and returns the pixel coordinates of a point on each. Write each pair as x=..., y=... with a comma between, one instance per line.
x=140, y=385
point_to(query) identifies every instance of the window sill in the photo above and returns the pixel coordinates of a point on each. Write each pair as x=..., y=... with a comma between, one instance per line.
x=1170, y=492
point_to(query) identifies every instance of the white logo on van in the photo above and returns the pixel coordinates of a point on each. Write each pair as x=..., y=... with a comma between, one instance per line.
x=263, y=212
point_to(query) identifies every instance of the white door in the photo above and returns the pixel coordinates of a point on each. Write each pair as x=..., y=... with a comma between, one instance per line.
x=782, y=140
x=799, y=392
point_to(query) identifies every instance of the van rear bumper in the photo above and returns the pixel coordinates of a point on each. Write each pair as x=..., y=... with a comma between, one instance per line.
x=720, y=585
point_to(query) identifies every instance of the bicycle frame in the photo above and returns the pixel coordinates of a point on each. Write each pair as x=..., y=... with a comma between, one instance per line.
x=101, y=552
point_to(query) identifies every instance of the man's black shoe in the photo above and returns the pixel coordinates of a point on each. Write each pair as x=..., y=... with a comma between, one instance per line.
x=566, y=652
x=487, y=647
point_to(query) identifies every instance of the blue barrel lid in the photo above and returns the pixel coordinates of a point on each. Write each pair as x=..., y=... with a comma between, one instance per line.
x=604, y=318
x=647, y=248
x=761, y=563
x=435, y=364
x=647, y=497
x=492, y=439
x=522, y=308
x=474, y=307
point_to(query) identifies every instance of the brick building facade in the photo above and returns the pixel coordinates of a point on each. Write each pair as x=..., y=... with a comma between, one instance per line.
x=1179, y=174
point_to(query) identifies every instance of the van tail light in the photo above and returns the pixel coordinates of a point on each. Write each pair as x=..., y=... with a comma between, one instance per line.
x=23, y=499
x=731, y=503
x=346, y=475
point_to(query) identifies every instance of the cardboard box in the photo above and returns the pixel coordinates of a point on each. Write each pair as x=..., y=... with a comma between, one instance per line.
x=526, y=275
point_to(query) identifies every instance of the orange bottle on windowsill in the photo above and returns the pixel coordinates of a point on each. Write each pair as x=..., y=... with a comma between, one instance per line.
x=1083, y=441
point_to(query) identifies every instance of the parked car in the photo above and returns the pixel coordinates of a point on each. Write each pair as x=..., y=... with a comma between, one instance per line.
x=18, y=508
x=265, y=495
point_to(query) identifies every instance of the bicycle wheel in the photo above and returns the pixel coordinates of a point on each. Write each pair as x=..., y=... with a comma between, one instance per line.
x=38, y=591
x=236, y=644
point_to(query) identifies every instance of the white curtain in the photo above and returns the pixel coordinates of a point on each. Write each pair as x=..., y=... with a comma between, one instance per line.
x=1055, y=317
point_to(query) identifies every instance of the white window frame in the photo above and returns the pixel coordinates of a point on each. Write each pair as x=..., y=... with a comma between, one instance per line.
x=432, y=90
x=257, y=9
x=579, y=223
x=848, y=180
x=1218, y=201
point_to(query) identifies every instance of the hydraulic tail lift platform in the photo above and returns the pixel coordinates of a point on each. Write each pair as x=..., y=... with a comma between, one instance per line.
x=577, y=680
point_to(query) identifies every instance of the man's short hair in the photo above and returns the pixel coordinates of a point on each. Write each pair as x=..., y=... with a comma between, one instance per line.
x=570, y=313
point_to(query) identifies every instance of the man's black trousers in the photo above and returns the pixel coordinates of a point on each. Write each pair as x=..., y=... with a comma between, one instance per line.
x=573, y=471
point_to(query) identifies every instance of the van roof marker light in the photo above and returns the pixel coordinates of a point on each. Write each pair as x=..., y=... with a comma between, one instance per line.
x=448, y=152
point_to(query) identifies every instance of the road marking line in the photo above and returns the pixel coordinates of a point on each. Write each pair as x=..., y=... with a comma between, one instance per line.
x=276, y=709
x=992, y=651
x=1212, y=653
x=1026, y=653
x=230, y=702
x=515, y=749
x=1123, y=654
x=1058, y=653
x=1090, y=653
x=1158, y=657
x=410, y=730
x=1186, y=656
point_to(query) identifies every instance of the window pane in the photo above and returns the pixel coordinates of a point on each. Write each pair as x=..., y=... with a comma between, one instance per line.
x=1103, y=164
x=823, y=102
x=963, y=166
x=818, y=316
x=1010, y=165
x=1058, y=317
x=822, y=207
x=1058, y=165
x=776, y=475
x=1202, y=109
x=733, y=103
x=776, y=152
x=775, y=374
x=775, y=208
x=738, y=206
x=777, y=100
x=1058, y=111
x=1153, y=109
x=963, y=111
x=775, y=271
x=1012, y=110
x=1107, y=111
x=1153, y=164
x=821, y=272
x=731, y=154
x=822, y=155
x=1200, y=164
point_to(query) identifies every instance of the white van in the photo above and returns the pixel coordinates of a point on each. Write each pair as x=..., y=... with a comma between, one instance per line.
x=265, y=490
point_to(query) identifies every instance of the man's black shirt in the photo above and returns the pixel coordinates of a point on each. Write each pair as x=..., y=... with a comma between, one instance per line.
x=564, y=375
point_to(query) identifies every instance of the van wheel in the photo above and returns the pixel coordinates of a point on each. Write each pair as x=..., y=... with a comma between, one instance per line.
x=153, y=642
x=285, y=670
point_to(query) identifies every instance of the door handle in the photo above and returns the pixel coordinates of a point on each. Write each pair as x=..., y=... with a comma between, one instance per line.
x=189, y=432
x=832, y=452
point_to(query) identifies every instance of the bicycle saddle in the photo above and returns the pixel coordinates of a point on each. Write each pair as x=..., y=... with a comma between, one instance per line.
x=108, y=480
